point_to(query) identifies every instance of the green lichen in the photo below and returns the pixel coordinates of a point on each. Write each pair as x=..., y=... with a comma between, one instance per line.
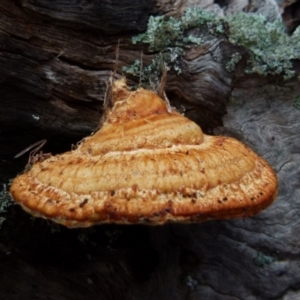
x=271, y=49
x=149, y=75
x=262, y=259
x=191, y=281
x=297, y=102
x=161, y=33
x=231, y=64
x=172, y=32
x=168, y=38
x=194, y=17
x=133, y=69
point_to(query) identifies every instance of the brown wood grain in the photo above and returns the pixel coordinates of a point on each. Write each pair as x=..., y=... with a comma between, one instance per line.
x=55, y=62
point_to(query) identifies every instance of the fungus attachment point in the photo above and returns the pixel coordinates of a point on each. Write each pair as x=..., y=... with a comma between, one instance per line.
x=147, y=165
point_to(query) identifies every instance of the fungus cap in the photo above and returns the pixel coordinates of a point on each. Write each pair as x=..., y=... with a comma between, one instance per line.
x=147, y=165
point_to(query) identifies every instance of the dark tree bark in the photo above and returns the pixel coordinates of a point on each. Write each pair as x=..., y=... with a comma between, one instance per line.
x=56, y=58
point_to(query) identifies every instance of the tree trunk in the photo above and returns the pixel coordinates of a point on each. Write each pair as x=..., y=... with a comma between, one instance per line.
x=56, y=59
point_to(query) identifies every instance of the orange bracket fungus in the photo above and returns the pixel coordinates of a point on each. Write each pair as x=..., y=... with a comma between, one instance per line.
x=147, y=165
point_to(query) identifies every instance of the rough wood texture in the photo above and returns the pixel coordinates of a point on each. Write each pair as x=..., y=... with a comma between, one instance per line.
x=53, y=78
x=54, y=65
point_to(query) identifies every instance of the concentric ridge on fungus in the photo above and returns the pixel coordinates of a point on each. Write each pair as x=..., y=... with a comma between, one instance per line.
x=146, y=165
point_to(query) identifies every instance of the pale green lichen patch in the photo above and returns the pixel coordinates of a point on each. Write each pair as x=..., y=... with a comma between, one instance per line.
x=161, y=33
x=192, y=282
x=230, y=65
x=149, y=75
x=271, y=49
x=297, y=102
x=169, y=37
x=171, y=32
x=262, y=259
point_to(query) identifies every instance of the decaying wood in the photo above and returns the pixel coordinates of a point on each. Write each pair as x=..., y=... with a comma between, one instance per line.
x=55, y=62
x=54, y=77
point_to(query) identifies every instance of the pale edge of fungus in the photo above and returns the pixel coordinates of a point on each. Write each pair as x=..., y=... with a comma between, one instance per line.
x=271, y=49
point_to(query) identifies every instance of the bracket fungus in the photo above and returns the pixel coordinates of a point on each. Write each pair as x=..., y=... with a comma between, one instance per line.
x=147, y=165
